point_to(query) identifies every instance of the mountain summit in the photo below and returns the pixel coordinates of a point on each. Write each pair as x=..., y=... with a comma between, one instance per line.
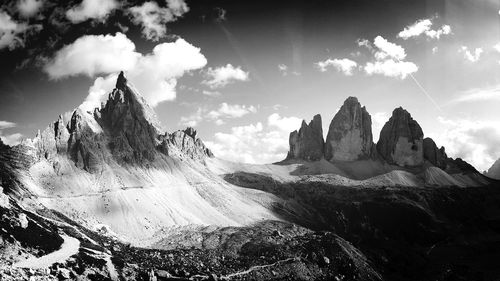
x=124, y=130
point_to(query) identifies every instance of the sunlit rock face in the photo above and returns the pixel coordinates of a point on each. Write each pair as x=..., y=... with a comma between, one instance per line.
x=401, y=140
x=350, y=134
x=307, y=143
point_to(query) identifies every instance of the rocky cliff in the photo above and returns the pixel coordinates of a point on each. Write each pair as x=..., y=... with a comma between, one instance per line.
x=307, y=143
x=125, y=130
x=350, y=134
x=434, y=155
x=401, y=140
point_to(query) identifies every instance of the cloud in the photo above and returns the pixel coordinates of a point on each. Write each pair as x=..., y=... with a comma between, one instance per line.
x=345, y=65
x=389, y=60
x=391, y=68
x=387, y=49
x=211, y=93
x=29, y=8
x=226, y=110
x=497, y=47
x=155, y=74
x=91, y=9
x=435, y=50
x=480, y=94
x=98, y=92
x=154, y=18
x=283, y=68
x=379, y=119
x=11, y=32
x=94, y=54
x=474, y=141
x=221, y=76
x=473, y=56
x=423, y=26
x=194, y=119
x=10, y=139
x=220, y=14
x=252, y=143
x=287, y=124
x=256, y=143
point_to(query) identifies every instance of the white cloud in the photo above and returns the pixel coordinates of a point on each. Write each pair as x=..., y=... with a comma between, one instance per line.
x=387, y=49
x=287, y=124
x=389, y=60
x=91, y=9
x=378, y=121
x=345, y=65
x=256, y=143
x=226, y=110
x=11, y=32
x=283, y=68
x=480, y=94
x=423, y=26
x=99, y=91
x=94, y=54
x=473, y=56
x=154, y=18
x=194, y=119
x=435, y=50
x=221, y=76
x=29, y=8
x=155, y=74
x=474, y=141
x=6, y=125
x=10, y=139
x=497, y=47
x=211, y=93
x=391, y=68
x=252, y=143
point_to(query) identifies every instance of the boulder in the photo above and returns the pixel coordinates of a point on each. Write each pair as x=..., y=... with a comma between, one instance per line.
x=401, y=140
x=350, y=134
x=307, y=143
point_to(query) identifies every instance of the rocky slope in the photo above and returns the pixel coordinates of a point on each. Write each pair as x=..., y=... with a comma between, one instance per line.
x=307, y=143
x=350, y=134
x=494, y=171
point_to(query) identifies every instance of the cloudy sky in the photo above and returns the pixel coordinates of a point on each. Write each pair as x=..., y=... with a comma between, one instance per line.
x=245, y=73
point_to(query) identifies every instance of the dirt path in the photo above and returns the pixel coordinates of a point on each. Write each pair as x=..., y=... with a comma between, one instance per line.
x=68, y=248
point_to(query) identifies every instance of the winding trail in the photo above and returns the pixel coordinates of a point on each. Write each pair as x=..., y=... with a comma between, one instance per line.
x=69, y=247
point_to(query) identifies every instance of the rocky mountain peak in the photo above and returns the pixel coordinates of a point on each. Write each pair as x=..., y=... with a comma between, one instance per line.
x=307, y=143
x=350, y=134
x=401, y=140
x=494, y=171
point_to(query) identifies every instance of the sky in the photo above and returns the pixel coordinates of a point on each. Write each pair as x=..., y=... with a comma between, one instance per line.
x=246, y=73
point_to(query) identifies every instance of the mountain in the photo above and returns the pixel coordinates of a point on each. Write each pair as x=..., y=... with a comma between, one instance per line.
x=494, y=171
x=106, y=195
x=401, y=156
x=307, y=143
x=350, y=134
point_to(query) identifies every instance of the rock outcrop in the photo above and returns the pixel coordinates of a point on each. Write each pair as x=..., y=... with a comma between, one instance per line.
x=350, y=134
x=184, y=142
x=401, y=140
x=494, y=171
x=307, y=143
x=434, y=155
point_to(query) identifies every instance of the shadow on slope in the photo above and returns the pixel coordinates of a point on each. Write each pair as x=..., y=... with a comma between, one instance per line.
x=409, y=233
